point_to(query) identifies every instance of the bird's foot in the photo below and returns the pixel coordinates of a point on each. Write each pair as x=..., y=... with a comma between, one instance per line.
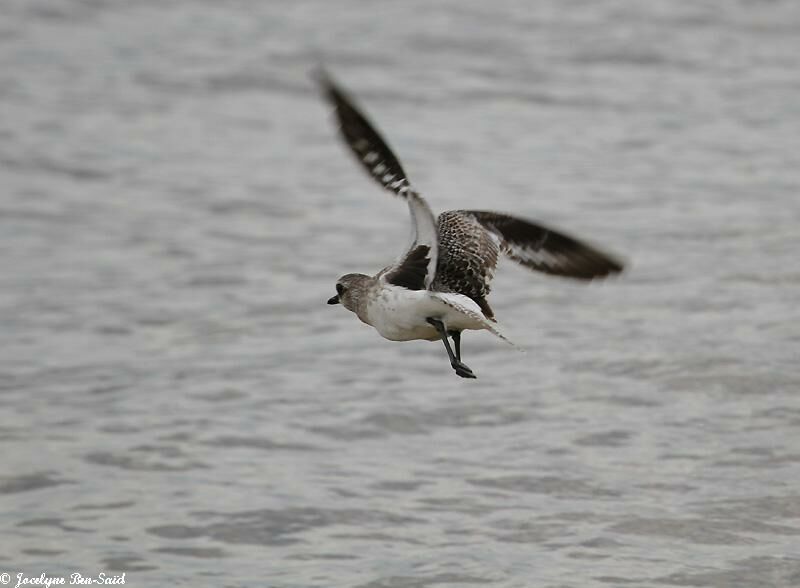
x=462, y=370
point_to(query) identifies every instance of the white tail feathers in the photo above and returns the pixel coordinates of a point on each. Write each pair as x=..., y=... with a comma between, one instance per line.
x=469, y=308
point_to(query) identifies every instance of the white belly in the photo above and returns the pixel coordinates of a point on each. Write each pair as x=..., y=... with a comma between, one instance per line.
x=399, y=314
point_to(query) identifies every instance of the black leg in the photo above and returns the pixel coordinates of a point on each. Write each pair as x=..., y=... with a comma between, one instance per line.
x=456, y=335
x=461, y=369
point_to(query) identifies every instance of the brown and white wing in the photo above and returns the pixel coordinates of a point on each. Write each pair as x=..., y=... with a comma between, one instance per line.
x=467, y=258
x=544, y=249
x=363, y=139
x=416, y=269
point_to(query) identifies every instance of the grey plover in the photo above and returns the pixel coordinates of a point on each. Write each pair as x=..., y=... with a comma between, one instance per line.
x=438, y=287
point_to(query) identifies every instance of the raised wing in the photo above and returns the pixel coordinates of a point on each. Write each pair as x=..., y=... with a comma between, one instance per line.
x=417, y=268
x=546, y=250
x=364, y=140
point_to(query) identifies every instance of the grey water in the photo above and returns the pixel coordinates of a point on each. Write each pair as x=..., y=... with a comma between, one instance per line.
x=179, y=404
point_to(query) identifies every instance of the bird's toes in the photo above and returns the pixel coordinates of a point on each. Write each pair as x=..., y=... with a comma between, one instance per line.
x=466, y=374
x=463, y=371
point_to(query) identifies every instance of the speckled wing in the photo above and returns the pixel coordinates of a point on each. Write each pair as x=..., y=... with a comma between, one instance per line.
x=416, y=269
x=467, y=258
x=366, y=143
x=544, y=249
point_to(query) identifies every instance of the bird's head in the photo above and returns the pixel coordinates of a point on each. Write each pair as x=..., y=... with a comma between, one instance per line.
x=349, y=290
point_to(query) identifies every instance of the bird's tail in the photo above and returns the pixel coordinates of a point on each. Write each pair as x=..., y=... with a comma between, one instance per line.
x=468, y=307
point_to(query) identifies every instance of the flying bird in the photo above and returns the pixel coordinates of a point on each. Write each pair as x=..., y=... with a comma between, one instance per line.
x=439, y=286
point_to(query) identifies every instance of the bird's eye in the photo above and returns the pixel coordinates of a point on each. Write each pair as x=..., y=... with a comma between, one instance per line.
x=339, y=289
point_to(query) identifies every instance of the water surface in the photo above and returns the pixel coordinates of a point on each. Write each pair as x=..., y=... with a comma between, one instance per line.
x=180, y=404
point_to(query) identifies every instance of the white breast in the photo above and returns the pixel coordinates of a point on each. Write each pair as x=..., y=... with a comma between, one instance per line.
x=399, y=314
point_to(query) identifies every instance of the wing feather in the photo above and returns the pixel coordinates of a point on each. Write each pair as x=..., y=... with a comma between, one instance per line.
x=423, y=252
x=377, y=158
x=364, y=140
x=544, y=249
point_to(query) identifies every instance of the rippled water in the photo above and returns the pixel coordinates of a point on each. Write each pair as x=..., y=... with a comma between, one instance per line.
x=180, y=404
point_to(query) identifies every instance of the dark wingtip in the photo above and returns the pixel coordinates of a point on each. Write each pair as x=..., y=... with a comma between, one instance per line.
x=617, y=266
x=330, y=90
x=320, y=75
x=602, y=266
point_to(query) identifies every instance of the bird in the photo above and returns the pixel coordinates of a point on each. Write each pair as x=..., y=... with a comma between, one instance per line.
x=439, y=286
